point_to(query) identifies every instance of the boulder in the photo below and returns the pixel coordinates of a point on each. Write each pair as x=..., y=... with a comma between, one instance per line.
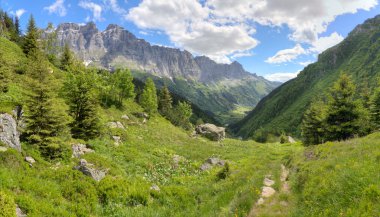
x=125, y=117
x=117, y=140
x=80, y=149
x=30, y=160
x=115, y=124
x=211, y=131
x=89, y=170
x=19, y=212
x=9, y=134
x=210, y=162
x=291, y=140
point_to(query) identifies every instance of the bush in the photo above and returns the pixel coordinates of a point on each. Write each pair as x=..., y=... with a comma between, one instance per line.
x=7, y=205
x=225, y=172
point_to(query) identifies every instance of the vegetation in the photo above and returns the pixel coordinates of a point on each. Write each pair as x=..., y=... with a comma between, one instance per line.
x=148, y=98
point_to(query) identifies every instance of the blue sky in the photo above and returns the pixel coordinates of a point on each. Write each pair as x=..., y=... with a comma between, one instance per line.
x=272, y=38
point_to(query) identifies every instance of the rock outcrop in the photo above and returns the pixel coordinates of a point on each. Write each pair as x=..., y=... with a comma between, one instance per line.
x=211, y=131
x=9, y=134
x=80, y=149
x=89, y=170
x=210, y=162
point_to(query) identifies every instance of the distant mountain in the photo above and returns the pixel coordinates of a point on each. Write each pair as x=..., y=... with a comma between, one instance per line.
x=217, y=88
x=282, y=110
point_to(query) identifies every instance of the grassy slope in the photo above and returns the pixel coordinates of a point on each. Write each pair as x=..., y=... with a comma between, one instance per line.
x=358, y=55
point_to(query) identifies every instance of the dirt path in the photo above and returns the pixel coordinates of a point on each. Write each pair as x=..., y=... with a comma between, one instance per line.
x=269, y=198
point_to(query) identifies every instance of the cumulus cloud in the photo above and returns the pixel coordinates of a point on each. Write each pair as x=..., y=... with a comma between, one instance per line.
x=20, y=12
x=57, y=7
x=281, y=76
x=94, y=8
x=114, y=6
x=287, y=55
x=323, y=43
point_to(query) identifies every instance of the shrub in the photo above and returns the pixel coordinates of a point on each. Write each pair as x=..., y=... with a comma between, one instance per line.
x=7, y=205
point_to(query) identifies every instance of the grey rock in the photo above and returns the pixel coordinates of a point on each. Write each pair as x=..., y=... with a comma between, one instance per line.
x=80, y=149
x=211, y=131
x=9, y=134
x=155, y=188
x=117, y=140
x=89, y=170
x=30, y=160
x=205, y=166
x=125, y=117
x=19, y=212
x=212, y=161
x=115, y=124
x=291, y=140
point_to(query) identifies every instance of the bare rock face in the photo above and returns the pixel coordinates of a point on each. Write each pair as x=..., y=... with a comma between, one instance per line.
x=8, y=131
x=211, y=131
x=89, y=170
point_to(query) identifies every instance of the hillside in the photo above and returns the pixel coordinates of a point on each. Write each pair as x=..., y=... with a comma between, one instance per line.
x=219, y=89
x=282, y=110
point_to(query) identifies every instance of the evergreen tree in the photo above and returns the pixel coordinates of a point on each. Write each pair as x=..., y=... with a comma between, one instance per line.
x=4, y=75
x=67, y=58
x=375, y=108
x=148, y=98
x=165, y=102
x=124, y=83
x=313, y=123
x=45, y=116
x=83, y=106
x=181, y=115
x=17, y=27
x=30, y=40
x=344, y=114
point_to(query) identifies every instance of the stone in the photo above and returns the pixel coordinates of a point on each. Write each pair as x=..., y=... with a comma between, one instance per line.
x=267, y=192
x=89, y=170
x=115, y=124
x=125, y=117
x=19, y=212
x=260, y=201
x=30, y=160
x=210, y=162
x=3, y=149
x=155, y=188
x=211, y=131
x=9, y=134
x=291, y=140
x=268, y=182
x=80, y=149
x=144, y=121
x=117, y=140
x=205, y=166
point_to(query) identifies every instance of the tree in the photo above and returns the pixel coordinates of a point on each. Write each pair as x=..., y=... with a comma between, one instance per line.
x=345, y=116
x=50, y=44
x=124, y=83
x=375, y=108
x=83, y=106
x=17, y=26
x=30, y=40
x=181, y=115
x=45, y=115
x=148, y=98
x=4, y=75
x=67, y=58
x=312, y=126
x=165, y=101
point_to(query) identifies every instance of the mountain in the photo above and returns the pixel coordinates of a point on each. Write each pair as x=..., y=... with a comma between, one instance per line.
x=217, y=88
x=282, y=110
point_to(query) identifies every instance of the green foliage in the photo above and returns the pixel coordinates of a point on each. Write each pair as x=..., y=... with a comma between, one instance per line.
x=313, y=128
x=283, y=138
x=124, y=84
x=67, y=58
x=9, y=28
x=83, y=106
x=148, y=98
x=45, y=115
x=7, y=205
x=30, y=43
x=180, y=115
x=225, y=172
x=4, y=76
x=375, y=108
x=165, y=102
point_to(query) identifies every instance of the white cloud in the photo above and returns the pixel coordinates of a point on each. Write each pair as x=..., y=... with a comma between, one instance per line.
x=220, y=29
x=281, y=76
x=114, y=6
x=20, y=12
x=323, y=43
x=306, y=63
x=94, y=8
x=57, y=7
x=287, y=55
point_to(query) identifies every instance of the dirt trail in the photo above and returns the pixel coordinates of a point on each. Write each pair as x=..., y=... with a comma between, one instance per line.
x=268, y=192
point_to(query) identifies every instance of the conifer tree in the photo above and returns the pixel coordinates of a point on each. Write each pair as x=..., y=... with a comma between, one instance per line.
x=148, y=98
x=375, y=108
x=344, y=114
x=313, y=123
x=67, y=58
x=4, y=75
x=83, y=106
x=45, y=116
x=30, y=40
x=181, y=115
x=165, y=101
x=17, y=26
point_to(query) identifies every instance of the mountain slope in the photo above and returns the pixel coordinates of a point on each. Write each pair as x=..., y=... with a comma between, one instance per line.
x=282, y=110
x=216, y=88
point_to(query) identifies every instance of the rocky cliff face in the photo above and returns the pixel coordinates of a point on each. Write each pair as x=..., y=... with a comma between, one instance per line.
x=9, y=134
x=116, y=47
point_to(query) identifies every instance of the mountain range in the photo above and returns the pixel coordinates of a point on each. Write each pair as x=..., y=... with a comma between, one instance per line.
x=220, y=89
x=282, y=110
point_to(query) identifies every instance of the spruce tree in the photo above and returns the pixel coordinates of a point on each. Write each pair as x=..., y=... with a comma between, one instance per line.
x=181, y=115
x=4, y=75
x=375, y=108
x=30, y=40
x=344, y=114
x=83, y=106
x=148, y=98
x=67, y=58
x=165, y=102
x=45, y=115
x=313, y=123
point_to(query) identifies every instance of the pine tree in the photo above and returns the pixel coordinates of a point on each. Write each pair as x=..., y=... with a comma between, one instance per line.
x=45, y=116
x=313, y=123
x=148, y=98
x=165, y=102
x=17, y=26
x=4, y=75
x=181, y=115
x=30, y=40
x=67, y=58
x=375, y=108
x=344, y=114
x=79, y=89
